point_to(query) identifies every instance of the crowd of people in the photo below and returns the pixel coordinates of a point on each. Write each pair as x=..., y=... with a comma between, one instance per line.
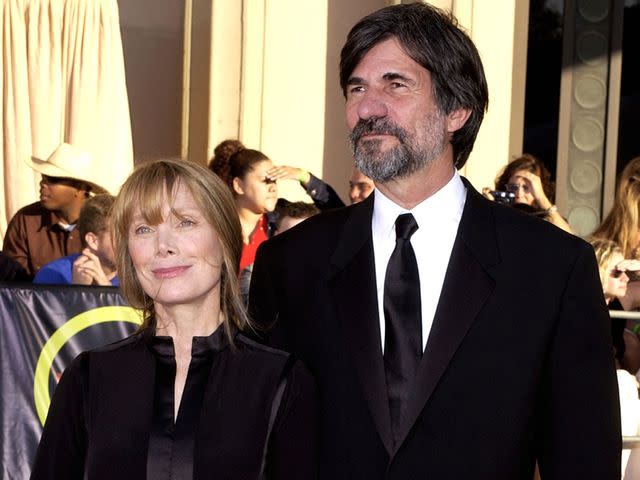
x=360, y=343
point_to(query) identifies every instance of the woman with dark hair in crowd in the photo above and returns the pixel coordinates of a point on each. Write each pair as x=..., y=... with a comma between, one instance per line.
x=252, y=178
x=255, y=193
x=530, y=181
x=188, y=396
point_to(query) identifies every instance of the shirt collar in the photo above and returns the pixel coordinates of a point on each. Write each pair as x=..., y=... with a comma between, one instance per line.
x=447, y=202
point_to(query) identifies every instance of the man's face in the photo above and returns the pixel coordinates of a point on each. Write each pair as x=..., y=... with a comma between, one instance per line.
x=57, y=193
x=396, y=126
x=360, y=186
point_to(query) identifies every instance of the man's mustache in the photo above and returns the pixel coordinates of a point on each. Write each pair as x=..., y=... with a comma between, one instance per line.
x=376, y=126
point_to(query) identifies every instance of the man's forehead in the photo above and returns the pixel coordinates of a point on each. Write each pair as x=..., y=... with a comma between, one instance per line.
x=390, y=60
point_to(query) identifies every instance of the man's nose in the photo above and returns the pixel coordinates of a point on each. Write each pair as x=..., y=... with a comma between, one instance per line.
x=372, y=104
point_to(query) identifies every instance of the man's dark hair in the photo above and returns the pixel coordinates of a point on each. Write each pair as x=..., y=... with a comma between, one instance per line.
x=432, y=38
x=285, y=208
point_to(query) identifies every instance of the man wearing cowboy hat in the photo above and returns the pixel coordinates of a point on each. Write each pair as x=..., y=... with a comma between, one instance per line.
x=45, y=230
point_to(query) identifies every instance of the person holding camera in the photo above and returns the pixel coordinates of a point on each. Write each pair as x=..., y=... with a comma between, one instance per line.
x=526, y=180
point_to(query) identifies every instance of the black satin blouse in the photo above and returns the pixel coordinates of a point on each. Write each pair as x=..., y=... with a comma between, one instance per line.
x=170, y=453
x=112, y=414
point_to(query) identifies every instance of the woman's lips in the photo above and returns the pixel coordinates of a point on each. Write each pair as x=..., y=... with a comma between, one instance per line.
x=169, y=272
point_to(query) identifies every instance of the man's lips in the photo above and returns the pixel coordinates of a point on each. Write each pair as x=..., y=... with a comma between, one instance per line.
x=169, y=272
x=375, y=136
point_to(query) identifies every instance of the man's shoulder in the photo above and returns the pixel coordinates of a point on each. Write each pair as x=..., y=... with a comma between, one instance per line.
x=34, y=209
x=525, y=234
x=320, y=230
x=32, y=214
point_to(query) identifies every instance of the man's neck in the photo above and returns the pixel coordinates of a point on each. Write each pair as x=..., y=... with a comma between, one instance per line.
x=69, y=215
x=411, y=190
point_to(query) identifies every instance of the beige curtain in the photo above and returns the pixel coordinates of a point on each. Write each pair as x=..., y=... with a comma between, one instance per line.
x=62, y=81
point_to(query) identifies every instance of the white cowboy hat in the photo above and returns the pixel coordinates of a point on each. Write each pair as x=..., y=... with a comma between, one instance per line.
x=68, y=162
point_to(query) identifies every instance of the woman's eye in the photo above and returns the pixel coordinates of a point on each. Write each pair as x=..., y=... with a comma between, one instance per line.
x=187, y=223
x=142, y=229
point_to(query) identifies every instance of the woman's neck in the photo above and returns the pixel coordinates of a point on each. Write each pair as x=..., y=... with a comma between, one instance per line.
x=249, y=220
x=183, y=322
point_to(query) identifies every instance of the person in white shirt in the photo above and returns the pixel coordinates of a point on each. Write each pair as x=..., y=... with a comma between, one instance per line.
x=442, y=337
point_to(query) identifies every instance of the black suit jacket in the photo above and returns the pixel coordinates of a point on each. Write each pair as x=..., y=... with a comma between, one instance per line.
x=518, y=365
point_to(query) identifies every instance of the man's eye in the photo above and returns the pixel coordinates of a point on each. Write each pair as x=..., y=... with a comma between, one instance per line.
x=356, y=89
x=397, y=85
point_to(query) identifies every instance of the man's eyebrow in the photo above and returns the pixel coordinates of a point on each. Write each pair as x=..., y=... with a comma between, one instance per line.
x=397, y=76
x=355, y=81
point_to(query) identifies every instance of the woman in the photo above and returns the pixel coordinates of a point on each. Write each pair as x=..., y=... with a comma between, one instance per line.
x=255, y=193
x=612, y=267
x=614, y=276
x=530, y=181
x=622, y=224
x=188, y=396
x=252, y=178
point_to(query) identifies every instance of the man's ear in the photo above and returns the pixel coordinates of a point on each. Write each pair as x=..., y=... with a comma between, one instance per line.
x=457, y=118
x=91, y=239
x=238, y=186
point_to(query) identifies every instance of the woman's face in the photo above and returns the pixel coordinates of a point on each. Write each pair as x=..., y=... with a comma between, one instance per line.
x=519, y=185
x=179, y=260
x=615, y=282
x=255, y=191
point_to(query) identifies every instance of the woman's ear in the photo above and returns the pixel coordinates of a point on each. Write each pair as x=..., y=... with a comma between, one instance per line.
x=238, y=186
x=91, y=239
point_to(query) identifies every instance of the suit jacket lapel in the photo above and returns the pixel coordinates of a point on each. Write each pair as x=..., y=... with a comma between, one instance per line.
x=466, y=287
x=353, y=290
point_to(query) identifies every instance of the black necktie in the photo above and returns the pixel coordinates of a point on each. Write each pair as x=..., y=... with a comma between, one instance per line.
x=403, y=324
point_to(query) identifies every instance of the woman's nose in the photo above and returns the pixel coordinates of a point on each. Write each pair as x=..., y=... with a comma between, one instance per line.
x=165, y=242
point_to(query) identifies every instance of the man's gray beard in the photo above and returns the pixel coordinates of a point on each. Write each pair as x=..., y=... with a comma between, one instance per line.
x=401, y=160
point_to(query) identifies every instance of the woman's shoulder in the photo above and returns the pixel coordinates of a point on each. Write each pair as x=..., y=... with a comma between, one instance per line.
x=128, y=343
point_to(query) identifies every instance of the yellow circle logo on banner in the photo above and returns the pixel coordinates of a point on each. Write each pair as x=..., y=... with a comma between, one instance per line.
x=61, y=336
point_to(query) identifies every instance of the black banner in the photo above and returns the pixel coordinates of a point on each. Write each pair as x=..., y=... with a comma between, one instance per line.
x=42, y=329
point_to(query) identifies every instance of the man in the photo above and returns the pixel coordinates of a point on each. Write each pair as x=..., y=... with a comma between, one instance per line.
x=45, y=230
x=360, y=186
x=289, y=214
x=446, y=343
x=96, y=264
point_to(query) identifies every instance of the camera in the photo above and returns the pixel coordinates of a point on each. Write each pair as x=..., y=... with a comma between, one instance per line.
x=508, y=198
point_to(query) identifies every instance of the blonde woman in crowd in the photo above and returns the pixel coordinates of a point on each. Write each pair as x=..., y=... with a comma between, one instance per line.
x=622, y=224
x=614, y=270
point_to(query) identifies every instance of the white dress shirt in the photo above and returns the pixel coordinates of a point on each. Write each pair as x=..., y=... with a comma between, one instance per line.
x=438, y=218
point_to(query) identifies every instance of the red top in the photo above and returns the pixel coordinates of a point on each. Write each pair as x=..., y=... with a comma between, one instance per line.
x=249, y=250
